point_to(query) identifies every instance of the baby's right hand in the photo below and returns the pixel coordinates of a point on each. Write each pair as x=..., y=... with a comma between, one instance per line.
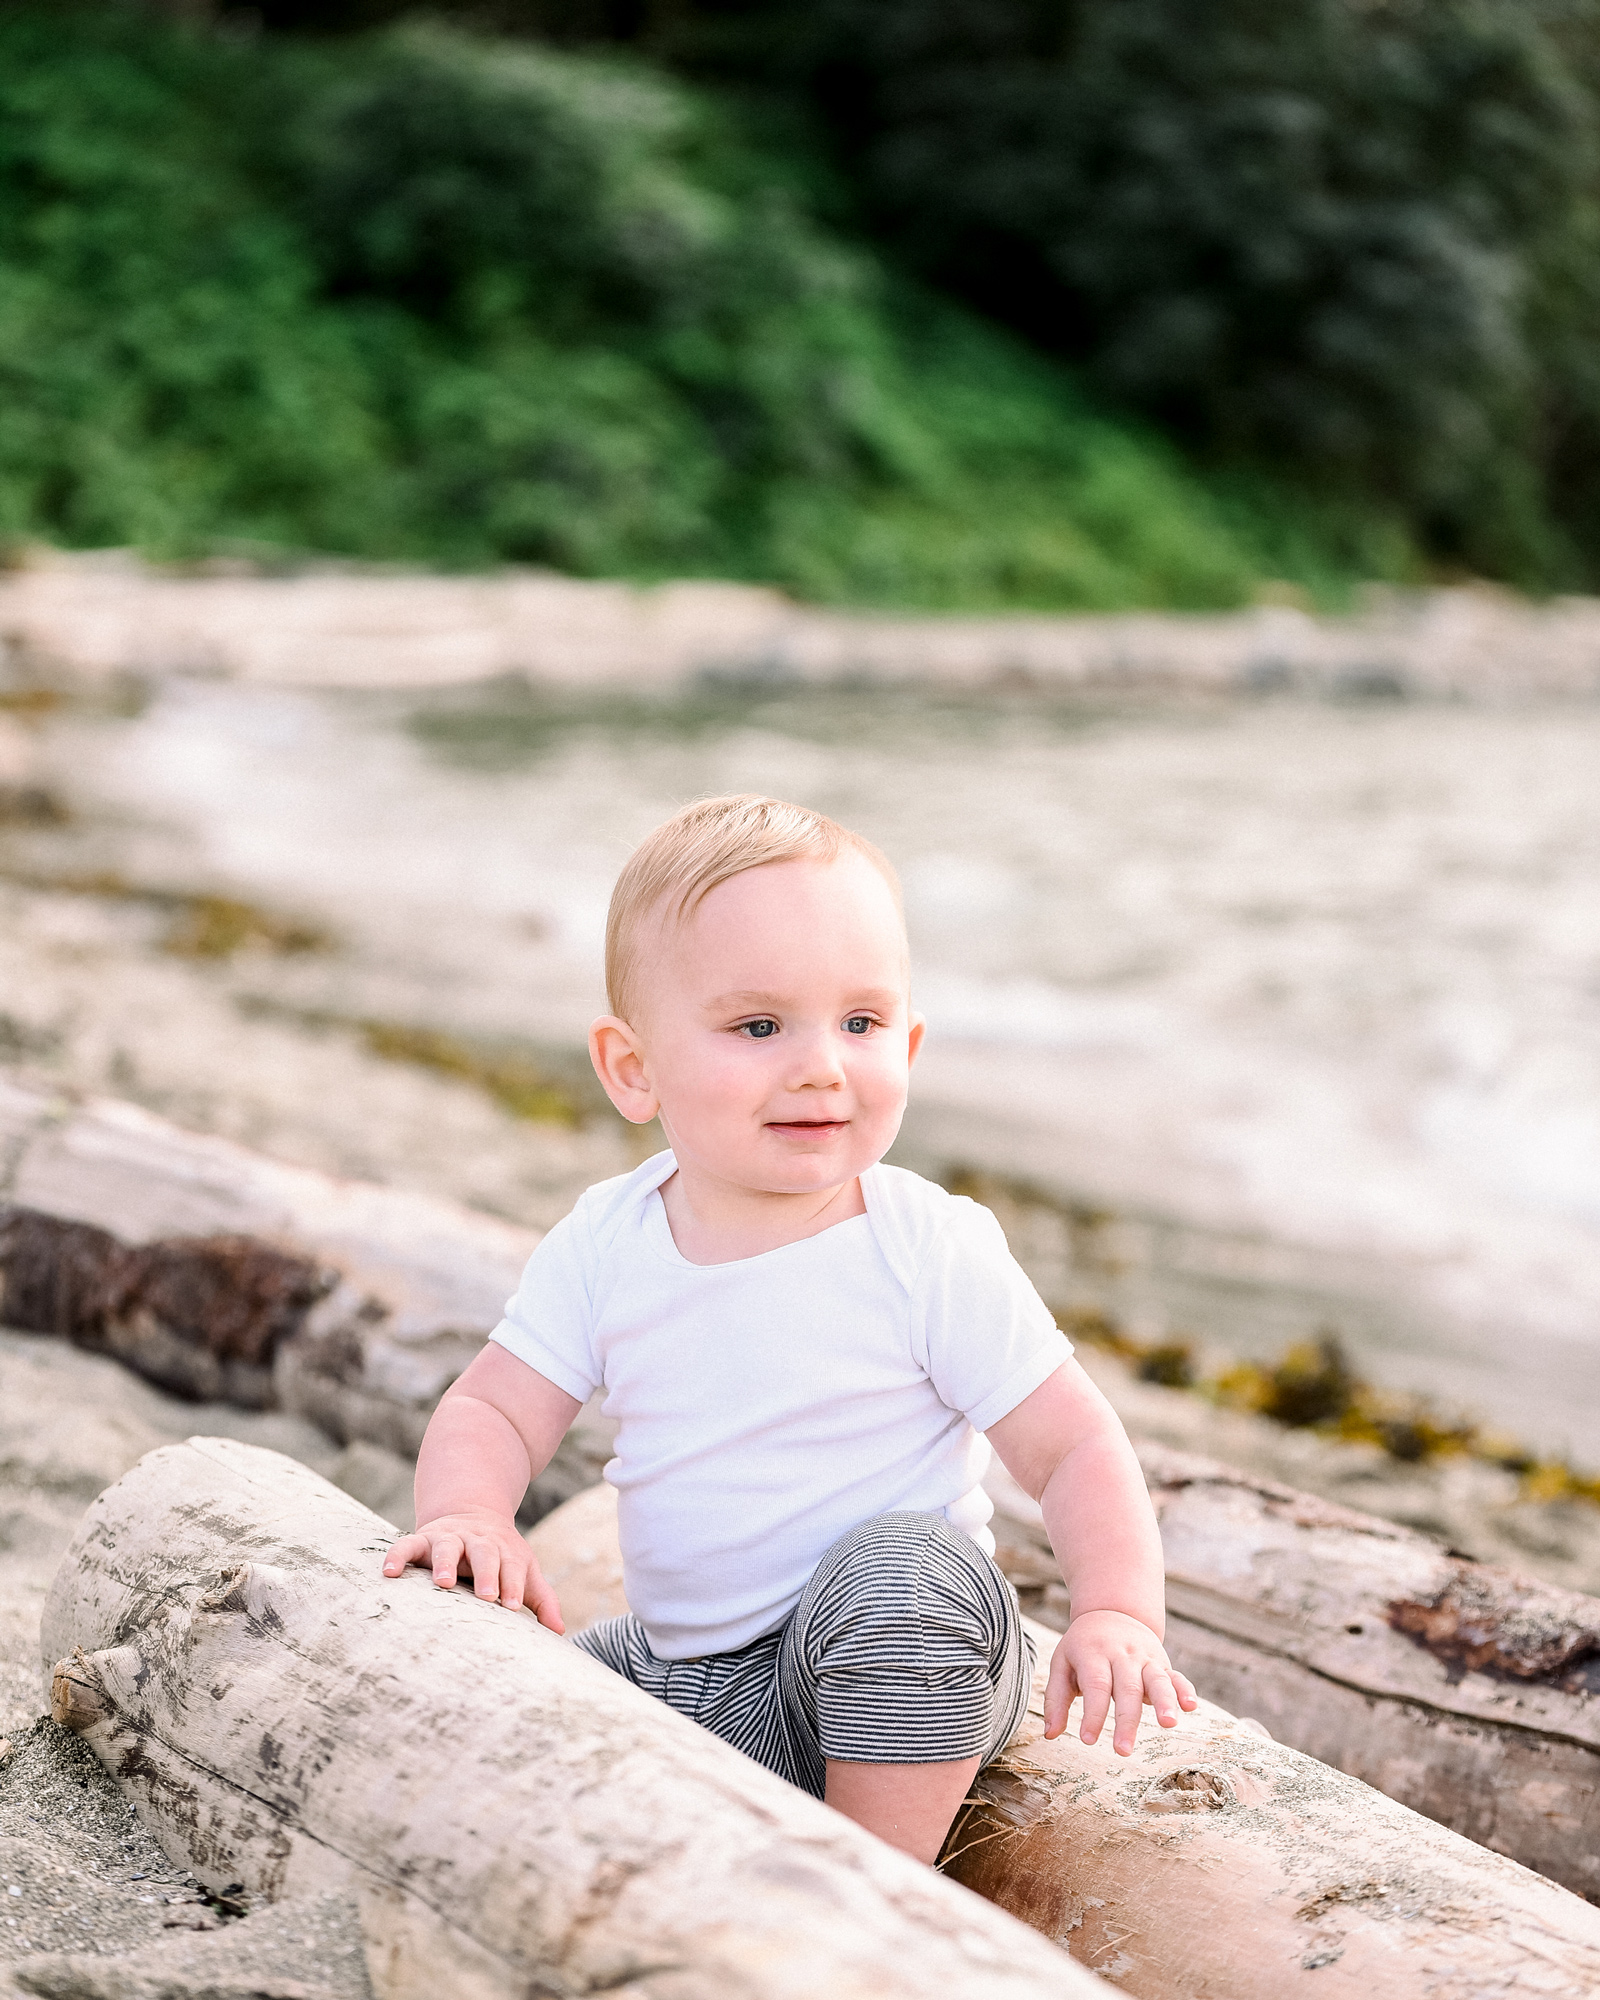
x=485, y=1547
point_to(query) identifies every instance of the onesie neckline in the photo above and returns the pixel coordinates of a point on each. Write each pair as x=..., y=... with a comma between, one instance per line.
x=658, y=1234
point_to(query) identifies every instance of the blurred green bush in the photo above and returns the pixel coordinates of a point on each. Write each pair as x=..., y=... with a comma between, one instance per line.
x=426, y=296
x=1353, y=238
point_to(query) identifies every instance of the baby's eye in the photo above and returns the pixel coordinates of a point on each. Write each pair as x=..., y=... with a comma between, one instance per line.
x=758, y=1031
x=859, y=1024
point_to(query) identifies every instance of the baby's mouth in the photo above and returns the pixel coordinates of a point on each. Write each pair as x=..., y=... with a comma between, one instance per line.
x=806, y=1128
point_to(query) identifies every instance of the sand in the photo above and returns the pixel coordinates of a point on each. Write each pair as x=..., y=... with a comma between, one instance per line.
x=90, y=1908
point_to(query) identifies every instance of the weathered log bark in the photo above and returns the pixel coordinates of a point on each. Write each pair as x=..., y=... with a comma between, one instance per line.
x=515, y=1820
x=223, y=1275
x=1465, y=1692
x=1214, y=1861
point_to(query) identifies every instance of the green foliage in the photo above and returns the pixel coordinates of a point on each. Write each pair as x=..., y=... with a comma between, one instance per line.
x=431, y=297
x=161, y=369
x=1356, y=238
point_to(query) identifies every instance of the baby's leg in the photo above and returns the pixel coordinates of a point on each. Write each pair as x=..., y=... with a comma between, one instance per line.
x=908, y=1805
x=906, y=1663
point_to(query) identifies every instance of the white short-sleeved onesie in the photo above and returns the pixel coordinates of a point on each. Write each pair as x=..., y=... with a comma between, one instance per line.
x=769, y=1405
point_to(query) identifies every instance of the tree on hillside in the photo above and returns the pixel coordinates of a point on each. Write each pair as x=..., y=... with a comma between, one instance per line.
x=1318, y=229
x=1355, y=237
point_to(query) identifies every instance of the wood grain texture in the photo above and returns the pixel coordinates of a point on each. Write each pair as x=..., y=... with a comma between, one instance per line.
x=515, y=1820
x=1215, y=1862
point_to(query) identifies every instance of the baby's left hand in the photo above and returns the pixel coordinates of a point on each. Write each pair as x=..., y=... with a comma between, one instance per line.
x=1108, y=1656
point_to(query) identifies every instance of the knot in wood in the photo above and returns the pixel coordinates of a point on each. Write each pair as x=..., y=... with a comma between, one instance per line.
x=1196, y=1788
x=260, y=1591
x=89, y=1687
x=228, y=1590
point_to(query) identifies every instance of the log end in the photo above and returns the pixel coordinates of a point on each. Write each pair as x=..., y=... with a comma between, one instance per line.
x=76, y=1699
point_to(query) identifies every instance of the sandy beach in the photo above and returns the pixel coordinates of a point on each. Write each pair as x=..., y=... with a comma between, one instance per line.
x=90, y=1907
x=421, y=1031
x=1292, y=982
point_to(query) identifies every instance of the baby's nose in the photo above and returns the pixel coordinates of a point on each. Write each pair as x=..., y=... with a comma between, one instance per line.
x=819, y=1067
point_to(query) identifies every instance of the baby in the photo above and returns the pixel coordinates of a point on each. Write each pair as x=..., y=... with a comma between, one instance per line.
x=810, y=1356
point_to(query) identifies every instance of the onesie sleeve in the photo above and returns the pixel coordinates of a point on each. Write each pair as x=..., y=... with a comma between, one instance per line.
x=549, y=1321
x=988, y=1339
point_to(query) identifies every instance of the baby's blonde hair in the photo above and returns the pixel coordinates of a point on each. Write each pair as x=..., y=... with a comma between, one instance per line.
x=704, y=844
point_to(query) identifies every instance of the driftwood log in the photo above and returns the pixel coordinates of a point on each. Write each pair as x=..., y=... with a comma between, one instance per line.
x=514, y=1820
x=1468, y=1693
x=1213, y=1861
x=222, y=1275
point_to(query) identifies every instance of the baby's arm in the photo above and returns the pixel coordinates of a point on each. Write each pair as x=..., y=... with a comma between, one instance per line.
x=496, y=1428
x=1065, y=1446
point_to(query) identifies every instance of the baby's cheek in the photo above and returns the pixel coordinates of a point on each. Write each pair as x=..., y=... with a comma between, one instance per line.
x=882, y=1084
x=710, y=1086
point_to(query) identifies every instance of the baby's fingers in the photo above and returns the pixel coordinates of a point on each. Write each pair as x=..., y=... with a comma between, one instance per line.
x=1188, y=1700
x=483, y=1559
x=1060, y=1690
x=1129, y=1686
x=447, y=1553
x=409, y=1549
x=514, y=1566
x=1096, y=1683
x=541, y=1600
x=1161, y=1691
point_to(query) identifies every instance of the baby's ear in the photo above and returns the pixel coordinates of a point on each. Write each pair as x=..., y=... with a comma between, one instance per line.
x=919, y=1027
x=618, y=1058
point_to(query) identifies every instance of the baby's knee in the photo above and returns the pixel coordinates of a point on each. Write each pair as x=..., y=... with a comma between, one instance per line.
x=905, y=1587
x=906, y=1646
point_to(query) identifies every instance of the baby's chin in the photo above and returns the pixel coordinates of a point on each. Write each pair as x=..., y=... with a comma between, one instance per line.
x=824, y=1187
x=790, y=1167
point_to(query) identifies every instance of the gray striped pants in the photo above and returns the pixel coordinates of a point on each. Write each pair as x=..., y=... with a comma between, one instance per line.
x=906, y=1647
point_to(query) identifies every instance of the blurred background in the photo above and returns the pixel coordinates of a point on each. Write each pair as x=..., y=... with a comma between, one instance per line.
x=1264, y=1002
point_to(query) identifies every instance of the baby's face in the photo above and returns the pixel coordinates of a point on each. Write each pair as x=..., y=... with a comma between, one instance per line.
x=776, y=1029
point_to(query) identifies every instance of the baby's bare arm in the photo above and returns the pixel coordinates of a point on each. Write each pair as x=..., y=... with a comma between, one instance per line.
x=1065, y=1446
x=496, y=1428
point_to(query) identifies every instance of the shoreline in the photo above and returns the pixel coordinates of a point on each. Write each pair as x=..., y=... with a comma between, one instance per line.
x=103, y=1006
x=104, y=615
x=1167, y=1270
x=322, y=1026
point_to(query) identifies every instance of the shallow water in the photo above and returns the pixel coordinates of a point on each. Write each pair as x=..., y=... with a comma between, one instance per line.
x=1310, y=992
